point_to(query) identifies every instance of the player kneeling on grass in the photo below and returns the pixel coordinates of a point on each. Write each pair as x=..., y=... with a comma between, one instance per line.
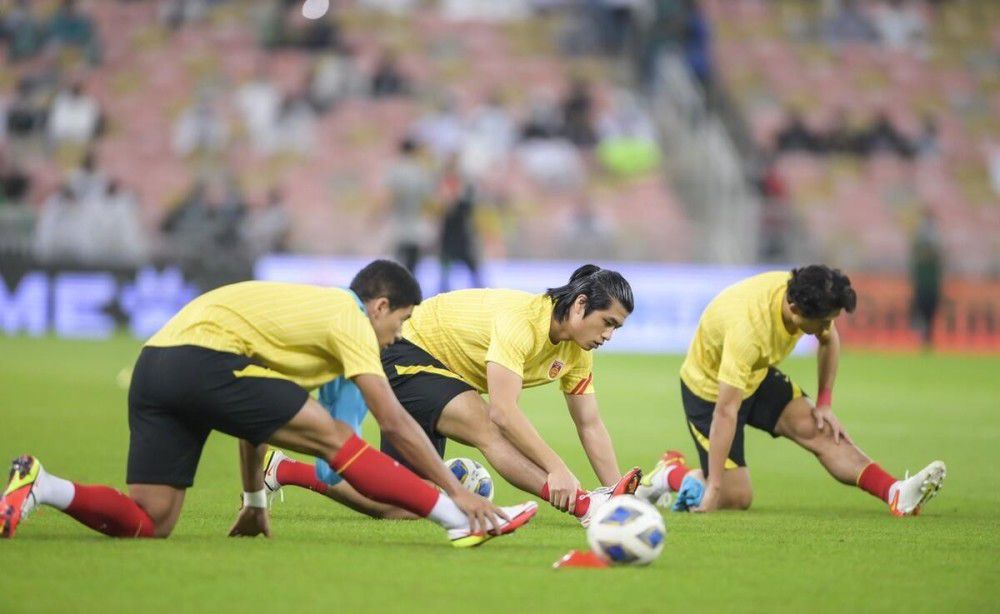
x=240, y=360
x=460, y=345
x=729, y=380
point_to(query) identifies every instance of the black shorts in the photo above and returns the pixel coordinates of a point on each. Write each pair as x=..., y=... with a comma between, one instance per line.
x=180, y=394
x=760, y=410
x=423, y=386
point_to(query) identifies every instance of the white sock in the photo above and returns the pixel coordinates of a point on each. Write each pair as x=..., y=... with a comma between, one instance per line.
x=52, y=490
x=447, y=514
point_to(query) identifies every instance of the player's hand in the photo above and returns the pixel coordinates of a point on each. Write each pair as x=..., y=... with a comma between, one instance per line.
x=483, y=515
x=562, y=489
x=824, y=418
x=710, y=500
x=252, y=521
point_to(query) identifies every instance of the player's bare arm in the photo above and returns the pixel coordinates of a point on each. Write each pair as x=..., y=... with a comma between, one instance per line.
x=504, y=389
x=720, y=441
x=828, y=358
x=402, y=430
x=594, y=436
x=252, y=519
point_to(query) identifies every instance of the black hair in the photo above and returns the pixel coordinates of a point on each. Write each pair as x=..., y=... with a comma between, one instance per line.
x=600, y=286
x=817, y=291
x=384, y=278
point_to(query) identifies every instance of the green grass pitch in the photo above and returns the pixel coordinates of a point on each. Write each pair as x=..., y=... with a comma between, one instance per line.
x=807, y=544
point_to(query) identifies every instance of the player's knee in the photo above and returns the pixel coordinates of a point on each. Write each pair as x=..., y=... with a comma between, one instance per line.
x=741, y=500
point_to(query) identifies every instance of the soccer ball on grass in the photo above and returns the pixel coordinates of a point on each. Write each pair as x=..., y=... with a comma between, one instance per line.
x=473, y=476
x=627, y=530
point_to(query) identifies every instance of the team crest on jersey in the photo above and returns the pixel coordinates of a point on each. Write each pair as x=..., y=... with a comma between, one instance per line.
x=556, y=368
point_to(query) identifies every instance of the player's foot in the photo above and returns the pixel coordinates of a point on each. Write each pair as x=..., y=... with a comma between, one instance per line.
x=272, y=459
x=519, y=516
x=654, y=487
x=907, y=496
x=18, y=499
x=625, y=485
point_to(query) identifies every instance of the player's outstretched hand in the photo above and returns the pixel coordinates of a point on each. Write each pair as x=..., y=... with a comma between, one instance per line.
x=709, y=501
x=562, y=489
x=483, y=515
x=251, y=522
x=825, y=419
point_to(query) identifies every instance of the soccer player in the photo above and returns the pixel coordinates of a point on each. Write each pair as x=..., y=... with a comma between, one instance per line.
x=459, y=345
x=729, y=380
x=241, y=360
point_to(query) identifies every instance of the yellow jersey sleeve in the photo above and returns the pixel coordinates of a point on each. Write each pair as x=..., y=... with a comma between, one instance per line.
x=739, y=355
x=580, y=379
x=352, y=341
x=511, y=342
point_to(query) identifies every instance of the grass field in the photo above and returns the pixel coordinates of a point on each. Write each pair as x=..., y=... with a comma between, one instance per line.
x=808, y=543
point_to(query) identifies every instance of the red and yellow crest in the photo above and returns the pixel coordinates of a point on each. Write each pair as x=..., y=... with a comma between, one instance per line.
x=555, y=368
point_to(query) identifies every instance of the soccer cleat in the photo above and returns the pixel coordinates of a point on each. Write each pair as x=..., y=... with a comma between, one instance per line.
x=519, y=516
x=18, y=499
x=910, y=494
x=625, y=485
x=272, y=459
x=653, y=487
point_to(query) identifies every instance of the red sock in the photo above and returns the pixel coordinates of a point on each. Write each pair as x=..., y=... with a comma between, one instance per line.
x=104, y=509
x=875, y=480
x=582, y=500
x=676, y=476
x=294, y=473
x=378, y=477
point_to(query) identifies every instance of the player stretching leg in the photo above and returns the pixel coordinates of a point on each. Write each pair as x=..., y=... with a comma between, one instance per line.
x=240, y=360
x=729, y=380
x=459, y=345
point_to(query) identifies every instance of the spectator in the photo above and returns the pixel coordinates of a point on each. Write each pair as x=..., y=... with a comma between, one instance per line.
x=15, y=183
x=926, y=272
x=24, y=32
x=26, y=114
x=542, y=121
x=388, y=79
x=201, y=128
x=849, y=24
x=333, y=78
x=901, y=26
x=489, y=138
x=442, y=130
x=882, y=136
x=58, y=231
x=294, y=126
x=410, y=189
x=68, y=27
x=628, y=138
x=267, y=230
x=577, y=109
x=841, y=138
x=175, y=13
x=797, y=136
x=258, y=101
x=74, y=117
x=458, y=234
x=87, y=181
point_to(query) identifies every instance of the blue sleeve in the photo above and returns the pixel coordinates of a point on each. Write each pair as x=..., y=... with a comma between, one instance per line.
x=343, y=399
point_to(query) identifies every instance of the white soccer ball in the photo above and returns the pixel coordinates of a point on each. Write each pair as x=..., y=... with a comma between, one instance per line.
x=627, y=531
x=473, y=476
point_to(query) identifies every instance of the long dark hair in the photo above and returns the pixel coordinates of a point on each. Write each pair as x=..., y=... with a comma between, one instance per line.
x=817, y=291
x=600, y=286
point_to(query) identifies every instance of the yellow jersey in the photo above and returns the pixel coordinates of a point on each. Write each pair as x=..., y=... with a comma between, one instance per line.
x=740, y=334
x=306, y=334
x=466, y=329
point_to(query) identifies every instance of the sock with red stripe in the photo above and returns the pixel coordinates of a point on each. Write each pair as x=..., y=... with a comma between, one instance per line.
x=378, y=477
x=291, y=472
x=875, y=480
x=582, y=500
x=108, y=511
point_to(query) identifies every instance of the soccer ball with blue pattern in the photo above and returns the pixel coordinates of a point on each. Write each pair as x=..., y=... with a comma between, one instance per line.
x=473, y=476
x=627, y=531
